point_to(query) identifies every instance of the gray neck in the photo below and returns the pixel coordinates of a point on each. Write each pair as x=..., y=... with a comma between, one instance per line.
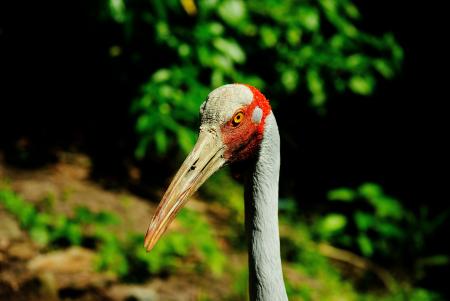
x=261, y=216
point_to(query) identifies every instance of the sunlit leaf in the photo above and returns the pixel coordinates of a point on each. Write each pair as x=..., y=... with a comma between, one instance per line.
x=338, y=41
x=161, y=75
x=387, y=207
x=141, y=148
x=315, y=85
x=186, y=139
x=356, y=62
x=162, y=30
x=217, y=78
x=215, y=28
x=289, y=78
x=40, y=235
x=161, y=141
x=117, y=9
x=107, y=218
x=74, y=233
x=351, y=10
x=293, y=36
x=370, y=190
x=341, y=194
x=143, y=123
x=364, y=221
x=309, y=17
x=363, y=85
x=84, y=215
x=232, y=11
x=222, y=62
x=27, y=214
x=333, y=223
x=230, y=48
x=384, y=68
x=184, y=50
x=269, y=36
x=365, y=245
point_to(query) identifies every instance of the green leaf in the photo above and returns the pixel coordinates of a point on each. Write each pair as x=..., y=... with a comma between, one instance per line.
x=117, y=9
x=84, y=215
x=74, y=234
x=161, y=141
x=363, y=85
x=387, y=207
x=186, y=139
x=332, y=223
x=356, y=62
x=143, y=123
x=215, y=28
x=232, y=11
x=341, y=194
x=294, y=36
x=230, y=48
x=384, y=68
x=217, y=79
x=351, y=10
x=364, y=221
x=141, y=148
x=40, y=235
x=107, y=218
x=315, y=85
x=43, y=220
x=370, y=190
x=162, y=30
x=184, y=50
x=269, y=36
x=389, y=230
x=27, y=215
x=289, y=78
x=365, y=245
x=309, y=17
x=161, y=75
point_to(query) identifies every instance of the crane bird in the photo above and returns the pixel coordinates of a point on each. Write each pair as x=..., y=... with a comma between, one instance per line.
x=237, y=124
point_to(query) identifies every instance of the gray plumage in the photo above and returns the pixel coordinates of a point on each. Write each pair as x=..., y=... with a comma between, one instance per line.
x=261, y=220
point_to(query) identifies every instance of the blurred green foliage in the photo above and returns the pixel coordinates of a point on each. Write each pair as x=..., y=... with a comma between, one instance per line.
x=193, y=247
x=284, y=48
x=221, y=188
x=377, y=225
x=298, y=248
x=194, y=239
x=124, y=257
x=389, y=230
x=409, y=294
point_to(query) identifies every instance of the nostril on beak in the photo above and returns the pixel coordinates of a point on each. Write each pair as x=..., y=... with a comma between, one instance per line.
x=194, y=165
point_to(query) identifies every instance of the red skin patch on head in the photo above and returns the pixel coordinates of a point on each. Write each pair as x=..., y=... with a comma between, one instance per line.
x=244, y=139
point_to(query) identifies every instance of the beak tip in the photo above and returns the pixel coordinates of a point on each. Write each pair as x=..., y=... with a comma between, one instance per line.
x=208, y=155
x=149, y=242
x=147, y=247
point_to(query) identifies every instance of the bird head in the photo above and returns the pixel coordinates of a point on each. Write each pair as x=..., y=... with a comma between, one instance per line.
x=231, y=130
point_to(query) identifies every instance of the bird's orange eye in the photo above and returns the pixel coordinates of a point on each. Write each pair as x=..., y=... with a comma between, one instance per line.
x=237, y=118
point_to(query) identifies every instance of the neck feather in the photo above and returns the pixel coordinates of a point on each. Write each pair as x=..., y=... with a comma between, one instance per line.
x=261, y=215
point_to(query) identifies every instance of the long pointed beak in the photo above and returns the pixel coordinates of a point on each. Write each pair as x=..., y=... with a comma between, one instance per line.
x=205, y=159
